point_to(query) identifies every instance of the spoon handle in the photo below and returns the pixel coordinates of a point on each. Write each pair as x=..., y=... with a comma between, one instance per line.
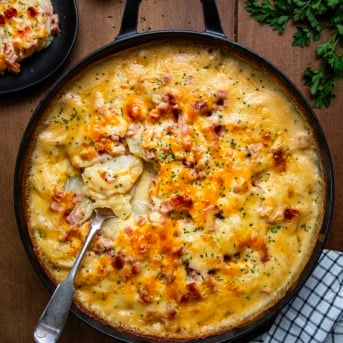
x=55, y=314
x=53, y=318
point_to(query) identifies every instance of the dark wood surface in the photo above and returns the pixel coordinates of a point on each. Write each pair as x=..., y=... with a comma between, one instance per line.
x=22, y=294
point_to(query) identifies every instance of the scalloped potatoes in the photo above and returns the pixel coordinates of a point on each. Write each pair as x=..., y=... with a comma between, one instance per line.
x=211, y=171
x=26, y=26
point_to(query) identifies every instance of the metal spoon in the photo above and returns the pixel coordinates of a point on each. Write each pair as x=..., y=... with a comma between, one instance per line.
x=54, y=316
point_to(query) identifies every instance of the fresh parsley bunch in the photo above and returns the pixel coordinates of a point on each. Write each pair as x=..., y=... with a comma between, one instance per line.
x=311, y=18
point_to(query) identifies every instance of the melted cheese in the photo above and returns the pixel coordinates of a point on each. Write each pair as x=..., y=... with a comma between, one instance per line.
x=25, y=27
x=211, y=171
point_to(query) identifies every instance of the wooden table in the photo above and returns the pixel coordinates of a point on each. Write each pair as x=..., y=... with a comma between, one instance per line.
x=22, y=294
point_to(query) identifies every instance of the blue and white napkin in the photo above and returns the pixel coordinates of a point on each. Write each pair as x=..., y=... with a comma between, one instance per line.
x=315, y=315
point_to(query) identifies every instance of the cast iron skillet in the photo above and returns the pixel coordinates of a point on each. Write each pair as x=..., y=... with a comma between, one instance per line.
x=213, y=34
x=43, y=64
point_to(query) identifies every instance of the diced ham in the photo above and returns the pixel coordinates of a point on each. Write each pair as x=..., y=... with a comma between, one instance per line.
x=168, y=104
x=170, y=129
x=201, y=175
x=192, y=294
x=265, y=258
x=222, y=94
x=166, y=78
x=143, y=248
x=108, y=177
x=169, y=278
x=218, y=129
x=32, y=11
x=187, y=144
x=181, y=201
x=55, y=24
x=166, y=207
x=75, y=217
x=11, y=58
x=145, y=297
x=102, y=244
x=118, y=261
x=182, y=126
x=201, y=107
x=70, y=233
x=154, y=115
x=170, y=99
x=56, y=206
x=290, y=213
x=266, y=138
x=76, y=198
x=171, y=313
x=211, y=209
x=110, y=146
x=24, y=32
x=193, y=175
x=192, y=274
x=178, y=252
x=221, y=99
x=135, y=267
x=149, y=154
x=11, y=13
x=129, y=231
x=114, y=138
x=133, y=129
x=58, y=196
x=188, y=163
x=165, y=149
x=140, y=221
x=279, y=158
x=162, y=107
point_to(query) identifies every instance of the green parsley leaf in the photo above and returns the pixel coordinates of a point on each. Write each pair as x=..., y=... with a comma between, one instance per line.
x=264, y=12
x=333, y=3
x=302, y=37
x=310, y=18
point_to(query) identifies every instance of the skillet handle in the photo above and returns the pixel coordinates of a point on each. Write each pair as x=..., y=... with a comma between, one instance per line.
x=211, y=17
x=130, y=18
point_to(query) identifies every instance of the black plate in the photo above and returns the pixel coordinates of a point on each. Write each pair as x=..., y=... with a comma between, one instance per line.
x=43, y=64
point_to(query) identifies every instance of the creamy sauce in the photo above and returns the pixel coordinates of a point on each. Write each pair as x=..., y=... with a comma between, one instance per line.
x=211, y=172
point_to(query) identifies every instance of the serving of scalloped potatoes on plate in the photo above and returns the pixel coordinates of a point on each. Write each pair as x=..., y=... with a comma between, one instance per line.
x=26, y=26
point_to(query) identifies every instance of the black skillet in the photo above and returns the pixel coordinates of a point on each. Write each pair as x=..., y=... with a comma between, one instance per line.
x=45, y=63
x=213, y=34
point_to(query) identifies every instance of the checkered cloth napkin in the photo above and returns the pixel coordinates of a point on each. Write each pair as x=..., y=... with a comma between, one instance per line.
x=316, y=314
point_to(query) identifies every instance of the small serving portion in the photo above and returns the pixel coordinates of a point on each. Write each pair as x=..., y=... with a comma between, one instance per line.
x=212, y=173
x=26, y=26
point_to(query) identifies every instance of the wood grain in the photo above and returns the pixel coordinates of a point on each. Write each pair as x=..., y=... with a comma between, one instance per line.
x=293, y=61
x=23, y=296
